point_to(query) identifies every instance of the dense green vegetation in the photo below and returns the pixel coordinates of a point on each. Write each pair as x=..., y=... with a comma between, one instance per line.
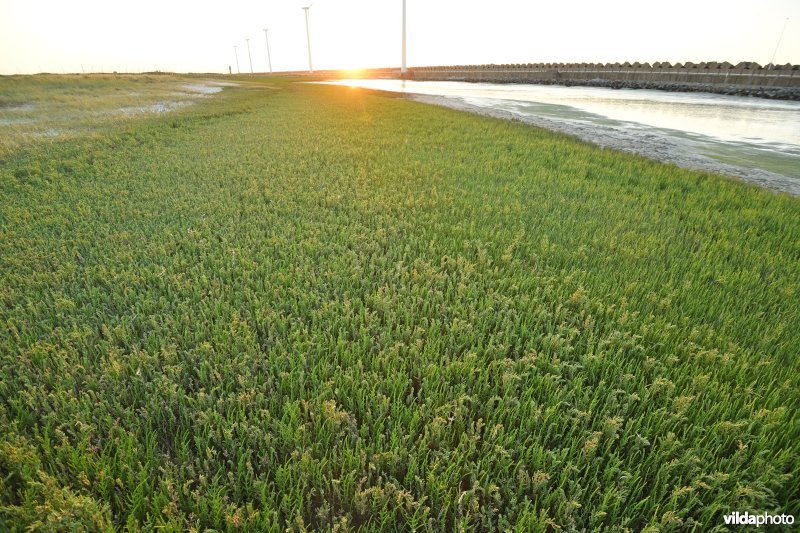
x=320, y=308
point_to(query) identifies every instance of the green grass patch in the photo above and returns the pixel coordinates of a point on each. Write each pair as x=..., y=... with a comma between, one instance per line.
x=46, y=108
x=317, y=308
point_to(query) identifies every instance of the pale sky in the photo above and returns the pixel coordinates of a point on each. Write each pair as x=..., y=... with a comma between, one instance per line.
x=198, y=36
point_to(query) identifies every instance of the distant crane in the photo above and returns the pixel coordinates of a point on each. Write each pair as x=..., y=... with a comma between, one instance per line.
x=269, y=58
x=236, y=53
x=249, y=56
x=308, y=40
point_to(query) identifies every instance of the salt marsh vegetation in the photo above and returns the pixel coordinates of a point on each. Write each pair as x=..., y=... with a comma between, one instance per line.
x=318, y=308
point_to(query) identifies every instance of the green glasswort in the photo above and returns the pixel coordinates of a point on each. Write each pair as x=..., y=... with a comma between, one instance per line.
x=318, y=308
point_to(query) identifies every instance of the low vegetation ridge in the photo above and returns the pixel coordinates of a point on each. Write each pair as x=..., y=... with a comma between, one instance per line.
x=321, y=308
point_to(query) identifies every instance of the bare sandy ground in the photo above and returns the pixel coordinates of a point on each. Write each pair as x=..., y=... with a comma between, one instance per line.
x=652, y=145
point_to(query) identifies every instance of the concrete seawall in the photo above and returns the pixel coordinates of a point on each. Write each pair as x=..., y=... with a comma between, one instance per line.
x=743, y=79
x=747, y=79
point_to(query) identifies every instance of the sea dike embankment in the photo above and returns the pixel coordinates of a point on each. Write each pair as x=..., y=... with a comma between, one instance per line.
x=744, y=79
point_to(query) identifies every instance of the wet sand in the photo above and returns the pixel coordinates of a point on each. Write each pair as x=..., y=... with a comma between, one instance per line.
x=649, y=144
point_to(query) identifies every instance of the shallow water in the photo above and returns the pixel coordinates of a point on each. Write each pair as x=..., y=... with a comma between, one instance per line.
x=202, y=88
x=158, y=107
x=747, y=131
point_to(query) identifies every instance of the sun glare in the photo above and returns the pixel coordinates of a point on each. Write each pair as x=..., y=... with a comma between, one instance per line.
x=354, y=73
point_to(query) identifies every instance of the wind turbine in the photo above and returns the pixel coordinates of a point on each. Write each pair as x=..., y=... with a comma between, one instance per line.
x=308, y=39
x=236, y=53
x=269, y=58
x=249, y=56
x=403, y=68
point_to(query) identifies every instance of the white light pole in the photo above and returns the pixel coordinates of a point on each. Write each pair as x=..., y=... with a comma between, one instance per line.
x=403, y=68
x=772, y=61
x=249, y=56
x=236, y=53
x=269, y=57
x=308, y=40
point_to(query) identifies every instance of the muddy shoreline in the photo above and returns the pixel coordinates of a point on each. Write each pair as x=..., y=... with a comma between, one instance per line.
x=756, y=91
x=651, y=144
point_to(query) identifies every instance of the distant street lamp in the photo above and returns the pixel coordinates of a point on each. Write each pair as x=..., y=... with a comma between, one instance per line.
x=269, y=58
x=308, y=40
x=249, y=56
x=236, y=53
